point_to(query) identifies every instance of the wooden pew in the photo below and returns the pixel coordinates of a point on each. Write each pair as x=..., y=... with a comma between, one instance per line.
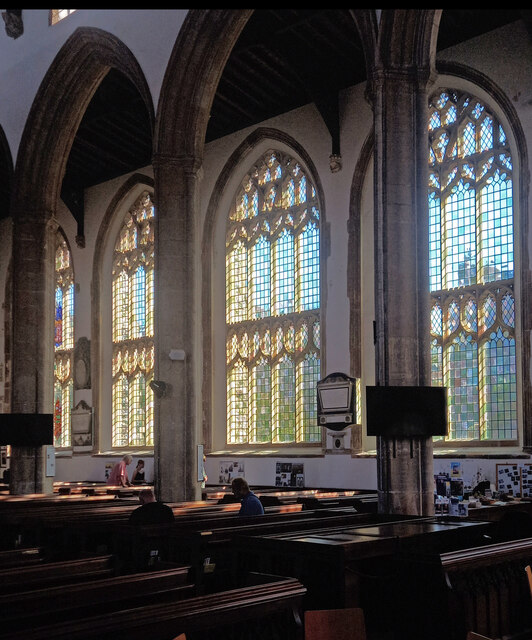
x=86, y=526
x=195, y=540
x=245, y=612
x=479, y=589
x=21, y=557
x=55, y=604
x=49, y=574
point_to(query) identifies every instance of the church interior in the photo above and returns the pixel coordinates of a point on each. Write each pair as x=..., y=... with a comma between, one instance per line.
x=285, y=245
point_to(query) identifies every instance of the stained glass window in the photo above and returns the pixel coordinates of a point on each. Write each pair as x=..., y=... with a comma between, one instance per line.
x=63, y=343
x=133, y=348
x=471, y=267
x=273, y=306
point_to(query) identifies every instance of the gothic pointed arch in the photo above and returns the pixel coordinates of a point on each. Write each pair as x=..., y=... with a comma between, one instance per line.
x=249, y=147
x=124, y=197
x=190, y=82
x=453, y=75
x=407, y=38
x=54, y=118
x=6, y=176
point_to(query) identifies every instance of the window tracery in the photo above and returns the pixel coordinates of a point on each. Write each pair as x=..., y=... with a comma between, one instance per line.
x=133, y=347
x=273, y=306
x=471, y=268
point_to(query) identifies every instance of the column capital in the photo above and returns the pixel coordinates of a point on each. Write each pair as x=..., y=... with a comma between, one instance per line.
x=185, y=162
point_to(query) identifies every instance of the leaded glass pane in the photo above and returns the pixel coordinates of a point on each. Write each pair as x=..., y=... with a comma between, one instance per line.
x=496, y=230
x=308, y=268
x=434, y=242
x=283, y=391
x=458, y=239
x=272, y=305
x=489, y=313
x=461, y=379
x=133, y=314
x=283, y=274
x=260, y=279
x=498, y=387
x=508, y=310
x=260, y=404
x=308, y=375
x=237, y=404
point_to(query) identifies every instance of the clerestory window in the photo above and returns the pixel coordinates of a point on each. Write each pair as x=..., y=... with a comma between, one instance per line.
x=471, y=255
x=59, y=14
x=273, y=306
x=64, y=343
x=133, y=308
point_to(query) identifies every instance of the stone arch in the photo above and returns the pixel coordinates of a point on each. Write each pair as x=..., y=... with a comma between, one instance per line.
x=354, y=275
x=6, y=175
x=407, y=38
x=194, y=69
x=123, y=197
x=54, y=118
x=239, y=155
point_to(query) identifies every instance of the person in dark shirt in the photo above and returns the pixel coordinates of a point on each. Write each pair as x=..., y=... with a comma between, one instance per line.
x=151, y=510
x=138, y=473
x=250, y=504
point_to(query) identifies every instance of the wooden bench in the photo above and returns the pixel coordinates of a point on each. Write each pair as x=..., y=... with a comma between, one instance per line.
x=192, y=541
x=480, y=589
x=55, y=604
x=50, y=574
x=245, y=612
x=21, y=557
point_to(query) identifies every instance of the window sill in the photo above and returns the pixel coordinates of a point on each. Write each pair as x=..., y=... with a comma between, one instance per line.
x=503, y=453
x=270, y=452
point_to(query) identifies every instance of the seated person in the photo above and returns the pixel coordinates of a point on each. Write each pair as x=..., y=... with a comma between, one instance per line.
x=151, y=510
x=138, y=473
x=250, y=504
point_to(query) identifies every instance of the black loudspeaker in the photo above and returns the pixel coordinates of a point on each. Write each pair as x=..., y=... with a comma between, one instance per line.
x=26, y=429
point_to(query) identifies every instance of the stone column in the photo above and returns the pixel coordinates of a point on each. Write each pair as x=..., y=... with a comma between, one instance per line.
x=402, y=313
x=177, y=327
x=33, y=340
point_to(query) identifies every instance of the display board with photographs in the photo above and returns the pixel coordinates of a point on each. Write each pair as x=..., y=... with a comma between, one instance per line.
x=289, y=474
x=509, y=479
x=526, y=479
x=230, y=469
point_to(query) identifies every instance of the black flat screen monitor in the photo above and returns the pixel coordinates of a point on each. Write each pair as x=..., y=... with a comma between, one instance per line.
x=403, y=412
x=26, y=429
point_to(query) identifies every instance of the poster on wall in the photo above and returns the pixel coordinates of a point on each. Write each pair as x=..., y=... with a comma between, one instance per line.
x=3, y=456
x=230, y=469
x=526, y=479
x=289, y=474
x=509, y=479
x=108, y=468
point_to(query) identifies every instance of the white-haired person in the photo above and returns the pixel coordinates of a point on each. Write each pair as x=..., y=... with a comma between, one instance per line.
x=118, y=476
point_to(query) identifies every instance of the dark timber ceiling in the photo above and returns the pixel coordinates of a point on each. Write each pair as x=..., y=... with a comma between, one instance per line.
x=284, y=59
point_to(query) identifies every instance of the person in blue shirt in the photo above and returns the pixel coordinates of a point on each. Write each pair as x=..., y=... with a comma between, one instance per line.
x=250, y=504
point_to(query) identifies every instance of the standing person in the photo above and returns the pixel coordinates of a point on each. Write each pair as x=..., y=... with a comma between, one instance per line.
x=118, y=475
x=151, y=511
x=250, y=504
x=138, y=474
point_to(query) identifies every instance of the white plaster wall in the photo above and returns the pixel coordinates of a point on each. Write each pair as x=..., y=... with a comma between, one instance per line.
x=25, y=60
